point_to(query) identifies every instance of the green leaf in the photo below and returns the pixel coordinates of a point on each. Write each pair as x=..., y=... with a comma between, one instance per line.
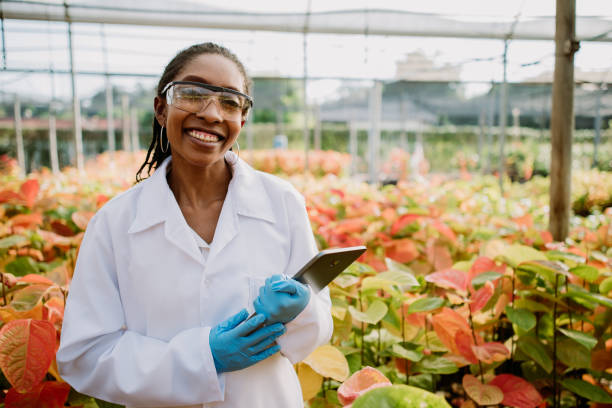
x=535, y=350
x=586, y=272
x=426, y=304
x=409, y=352
x=344, y=280
x=463, y=266
x=358, y=268
x=376, y=311
x=585, y=339
x=402, y=277
x=12, y=241
x=484, y=277
x=516, y=254
x=545, y=269
x=530, y=305
x=593, y=297
x=564, y=256
x=523, y=318
x=424, y=381
x=400, y=396
x=605, y=286
x=573, y=354
x=435, y=365
x=587, y=390
x=22, y=266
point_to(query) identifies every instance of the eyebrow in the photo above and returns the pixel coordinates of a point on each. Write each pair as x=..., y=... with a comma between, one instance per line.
x=196, y=78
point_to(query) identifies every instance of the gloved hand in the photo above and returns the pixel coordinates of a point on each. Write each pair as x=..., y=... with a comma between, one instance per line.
x=236, y=344
x=281, y=299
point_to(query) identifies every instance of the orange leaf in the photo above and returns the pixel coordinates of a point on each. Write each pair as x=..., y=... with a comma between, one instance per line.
x=401, y=250
x=449, y=278
x=439, y=256
x=49, y=394
x=26, y=220
x=29, y=191
x=464, y=343
x=360, y=382
x=518, y=393
x=444, y=230
x=8, y=195
x=483, y=264
x=27, y=348
x=481, y=393
x=446, y=324
x=81, y=218
x=351, y=225
x=38, y=279
x=54, y=308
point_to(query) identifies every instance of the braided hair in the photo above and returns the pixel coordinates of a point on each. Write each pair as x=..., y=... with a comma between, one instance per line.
x=155, y=155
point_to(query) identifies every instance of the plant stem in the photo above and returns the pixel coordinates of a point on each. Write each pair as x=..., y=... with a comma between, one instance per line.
x=362, y=327
x=512, y=302
x=569, y=309
x=378, y=354
x=475, y=342
x=555, y=402
x=404, y=339
x=3, y=288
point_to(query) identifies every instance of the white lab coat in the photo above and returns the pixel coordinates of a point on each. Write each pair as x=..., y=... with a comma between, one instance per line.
x=143, y=298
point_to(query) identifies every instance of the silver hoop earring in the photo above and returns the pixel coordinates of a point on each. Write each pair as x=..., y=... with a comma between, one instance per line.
x=161, y=141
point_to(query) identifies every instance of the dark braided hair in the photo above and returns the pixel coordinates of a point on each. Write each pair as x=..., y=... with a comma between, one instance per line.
x=155, y=156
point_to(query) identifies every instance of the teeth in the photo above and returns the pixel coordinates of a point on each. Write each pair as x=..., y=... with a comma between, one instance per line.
x=203, y=136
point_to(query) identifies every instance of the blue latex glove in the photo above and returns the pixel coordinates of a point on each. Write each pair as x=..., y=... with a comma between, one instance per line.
x=236, y=344
x=281, y=299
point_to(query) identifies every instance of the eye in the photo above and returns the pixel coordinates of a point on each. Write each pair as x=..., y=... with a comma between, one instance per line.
x=192, y=92
x=230, y=102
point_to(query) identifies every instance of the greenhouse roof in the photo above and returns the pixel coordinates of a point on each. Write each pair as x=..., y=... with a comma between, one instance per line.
x=397, y=21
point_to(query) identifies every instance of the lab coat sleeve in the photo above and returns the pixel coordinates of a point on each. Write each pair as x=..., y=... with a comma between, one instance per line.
x=313, y=326
x=100, y=357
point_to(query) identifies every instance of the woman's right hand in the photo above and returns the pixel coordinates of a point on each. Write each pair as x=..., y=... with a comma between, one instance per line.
x=236, y=344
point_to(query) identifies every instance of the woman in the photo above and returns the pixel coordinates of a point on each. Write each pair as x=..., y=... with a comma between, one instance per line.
x=156, y=312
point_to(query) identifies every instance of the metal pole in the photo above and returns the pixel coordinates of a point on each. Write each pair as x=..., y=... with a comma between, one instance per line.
x=3, y=37
x=491, y=119
x=481, y=134
x=53, y=141
x=76, y=105
x=19, y=137
x=562, y=119
x=502, y=120
x=317, y=129
x=110, y=120
x=374, y=136
x=353, y=147
x=125, y=109
x=305, y=130
x=597, y=125
x=134, y=130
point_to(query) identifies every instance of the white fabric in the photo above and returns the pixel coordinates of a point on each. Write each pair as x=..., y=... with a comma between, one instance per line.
x=143, y=299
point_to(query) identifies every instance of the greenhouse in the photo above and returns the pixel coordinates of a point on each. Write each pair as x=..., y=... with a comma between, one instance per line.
x=451, y=160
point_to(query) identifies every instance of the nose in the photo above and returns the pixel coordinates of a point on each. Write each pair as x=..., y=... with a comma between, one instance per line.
x=211, y=111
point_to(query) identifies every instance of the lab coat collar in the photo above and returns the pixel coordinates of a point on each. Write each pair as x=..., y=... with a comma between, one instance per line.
x=157, y=203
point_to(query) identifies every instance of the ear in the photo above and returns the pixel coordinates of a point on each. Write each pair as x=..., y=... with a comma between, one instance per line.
x=242, y=123
x=161, y=110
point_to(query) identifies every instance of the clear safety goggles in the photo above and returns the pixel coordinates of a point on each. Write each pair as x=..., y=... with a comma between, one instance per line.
x=193, y=97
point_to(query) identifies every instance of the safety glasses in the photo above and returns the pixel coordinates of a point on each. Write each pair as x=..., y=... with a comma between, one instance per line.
x=193, y=97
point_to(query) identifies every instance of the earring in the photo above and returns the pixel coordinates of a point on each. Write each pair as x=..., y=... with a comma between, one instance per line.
x=161, y=141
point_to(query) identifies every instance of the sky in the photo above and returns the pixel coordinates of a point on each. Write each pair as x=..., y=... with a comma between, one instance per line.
x=138, y=49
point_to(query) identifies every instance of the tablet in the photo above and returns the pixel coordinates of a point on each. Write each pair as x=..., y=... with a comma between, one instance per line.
x=326, y=265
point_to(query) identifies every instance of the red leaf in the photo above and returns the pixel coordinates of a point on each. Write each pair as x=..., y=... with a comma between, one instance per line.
x=36, y=279
x=351, y=225
x=49, y=394
x=62, y=229
x=54, y=309
x=449, y=278
x=401, y=250
x=444, y=230
x=360, y=382
x=517, y=392
x=403, y=222
x=481, y=297
x=8, y=195
x=491, y=352
x=439, y=256
x=483, y=264
x=27, y=348
x=29, y=191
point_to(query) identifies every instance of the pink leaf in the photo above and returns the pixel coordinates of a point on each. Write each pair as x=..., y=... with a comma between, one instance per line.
x=491, y=352
x=361, y=382
x=518, y=393
x=481, y=297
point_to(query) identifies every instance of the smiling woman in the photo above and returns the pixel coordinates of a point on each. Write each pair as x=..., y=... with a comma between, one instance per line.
x=169, y=270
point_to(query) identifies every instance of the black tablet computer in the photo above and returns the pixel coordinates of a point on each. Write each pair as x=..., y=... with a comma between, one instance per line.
x=326, y=265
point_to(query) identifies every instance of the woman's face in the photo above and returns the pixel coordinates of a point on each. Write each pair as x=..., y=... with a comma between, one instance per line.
x=202, y=138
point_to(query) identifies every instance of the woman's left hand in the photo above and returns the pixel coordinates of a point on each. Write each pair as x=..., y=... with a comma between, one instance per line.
x=281, y=299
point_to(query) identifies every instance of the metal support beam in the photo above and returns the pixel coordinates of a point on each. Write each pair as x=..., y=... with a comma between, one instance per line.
x=502, y=119
x=562, y=119
x=125, y=115
x=19, y=137
x=374, y=136
x=53, y=141
x=76, y=104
